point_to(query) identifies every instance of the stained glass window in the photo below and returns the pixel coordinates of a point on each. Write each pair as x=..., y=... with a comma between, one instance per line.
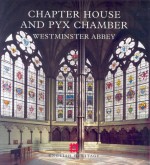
x=130, y=74
x=70, y=97
x=41, y=95
x=118, y=95
x=73, y=57
x=89, y=98
x=6, y=85
x=22, y=78
x=130, y=92
x=67, y=89
x=60, y=97
x=25, y=42
x=19, y=89
x=31, y=92
x=109, y=87
x=143, y=90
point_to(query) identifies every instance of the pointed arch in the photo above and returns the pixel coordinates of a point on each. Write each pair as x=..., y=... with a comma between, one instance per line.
x=127, y=89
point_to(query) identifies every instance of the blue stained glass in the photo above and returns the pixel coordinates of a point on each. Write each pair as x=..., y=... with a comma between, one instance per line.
x=70, y=100
x=25, y=41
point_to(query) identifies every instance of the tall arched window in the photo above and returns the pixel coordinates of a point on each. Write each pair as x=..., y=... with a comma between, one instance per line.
x=67, y=89
x=127, y=82
x=22, y=79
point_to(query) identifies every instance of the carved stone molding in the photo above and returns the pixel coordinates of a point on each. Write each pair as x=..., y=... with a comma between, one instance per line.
x=138, y=127
x=56, y=127
x=21, y=127
x=8, y=126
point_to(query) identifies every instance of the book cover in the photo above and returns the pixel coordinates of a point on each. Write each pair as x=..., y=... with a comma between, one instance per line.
x=75, y=72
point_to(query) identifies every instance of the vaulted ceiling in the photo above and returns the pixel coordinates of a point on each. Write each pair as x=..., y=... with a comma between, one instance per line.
x=135, y=12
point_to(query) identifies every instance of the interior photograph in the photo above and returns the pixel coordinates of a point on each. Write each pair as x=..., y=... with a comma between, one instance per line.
x=74, y=82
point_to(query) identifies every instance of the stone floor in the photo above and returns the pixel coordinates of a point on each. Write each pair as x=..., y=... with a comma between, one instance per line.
x=66, y=158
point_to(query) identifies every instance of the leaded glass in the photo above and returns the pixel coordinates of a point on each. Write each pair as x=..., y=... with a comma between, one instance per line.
x=31, y=76
x=73, y=57
x=7, y=66
x=143, y=90
x=140, y=45
x=36, y=61
x=41, y=95
x=9, y=38
x=19, y=89
x=41, y=112
x=6, y=106
x=69, y=97
x=129, y=60
x=60, y=114
x=130, y=92
x=90, y=98
x=65, y=69
x=31, y=111
x=25, y=42
x=6, y=85
x=118, y=95
x=114, y=65
x=31, y=92
x=60, y=92
x=109, y=97
x=137, y=56
x=41, y=79
x=67, y=89
x=13, y=74
x=125, y=47
x=70, y=114
x=18, y=108
x=13, y=50
x=70, y=83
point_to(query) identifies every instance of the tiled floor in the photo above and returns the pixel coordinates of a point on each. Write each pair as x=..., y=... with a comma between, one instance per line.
x=66, y=158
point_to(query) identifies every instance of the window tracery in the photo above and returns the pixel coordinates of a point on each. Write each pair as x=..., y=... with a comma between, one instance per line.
x=67, y=89
x=22, y=78
x=127, y=82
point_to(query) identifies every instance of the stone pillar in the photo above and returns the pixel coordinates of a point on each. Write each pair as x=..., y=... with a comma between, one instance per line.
x=31, y=136
x=9, y=131
x=81, y=93
x=100, y=104
x=101, y=100
x=21, y=136
x=40, y=136
x=51, y=103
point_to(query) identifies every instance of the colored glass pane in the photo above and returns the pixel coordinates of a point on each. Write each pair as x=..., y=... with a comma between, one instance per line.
x=60, y=91
x=25, y=42
x=73, y=57
x=125, y=47
x=109, y=97
x=31, y=92
x=6, y=85
x=130, y=92
x=31, y=111
x=90, y=98
x=41, y=95
x=118, y=95
x=19, y=108
x=143, y=90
